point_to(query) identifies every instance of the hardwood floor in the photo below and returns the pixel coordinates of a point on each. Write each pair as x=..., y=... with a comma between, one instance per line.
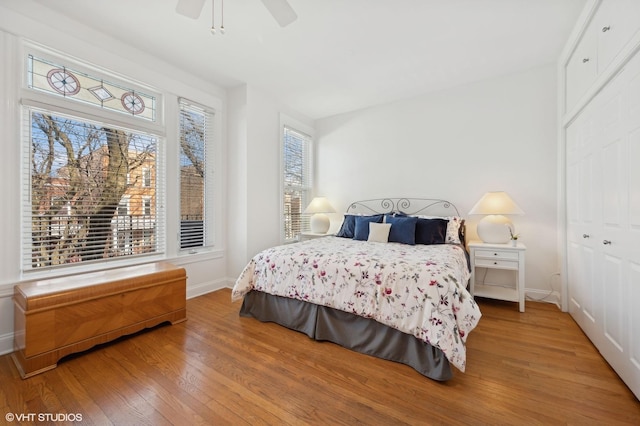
x=535, y=367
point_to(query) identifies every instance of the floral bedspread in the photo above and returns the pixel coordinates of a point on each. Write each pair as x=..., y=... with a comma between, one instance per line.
x=419, y=290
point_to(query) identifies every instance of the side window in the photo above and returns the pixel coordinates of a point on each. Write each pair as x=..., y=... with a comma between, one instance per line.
x=196, y=176
x=297, y=182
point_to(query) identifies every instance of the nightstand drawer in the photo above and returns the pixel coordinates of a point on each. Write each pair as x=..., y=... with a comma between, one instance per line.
x=496, y=263
x=496, y=254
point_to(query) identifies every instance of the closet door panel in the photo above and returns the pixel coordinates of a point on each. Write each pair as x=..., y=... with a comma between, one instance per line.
x=582, y=68
x=633, y=373
x=586, y=190
x=581, y=300
x=615, y=195
x=614, y=311
x=633, y=160
x=613, y=187
x=588, y=288
x=615, y=29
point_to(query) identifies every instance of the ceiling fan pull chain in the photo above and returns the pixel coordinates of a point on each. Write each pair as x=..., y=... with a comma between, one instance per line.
x=222, y=16
x=213, y=21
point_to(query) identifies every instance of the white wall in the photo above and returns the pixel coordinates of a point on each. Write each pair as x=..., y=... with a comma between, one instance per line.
x=498, y=134
x=205, y=271
x=237, y=229
x=254, y=174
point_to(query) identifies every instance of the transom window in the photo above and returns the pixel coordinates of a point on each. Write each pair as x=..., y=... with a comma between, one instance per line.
x=60, y=80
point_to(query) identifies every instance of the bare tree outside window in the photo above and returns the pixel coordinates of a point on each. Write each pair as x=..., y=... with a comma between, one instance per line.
x=194, y=127
x=82, y=177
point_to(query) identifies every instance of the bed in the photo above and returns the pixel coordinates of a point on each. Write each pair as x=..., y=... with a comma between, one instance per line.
x=392, y=283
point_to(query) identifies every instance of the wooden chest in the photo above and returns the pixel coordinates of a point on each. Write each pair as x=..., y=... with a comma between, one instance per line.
x=60, y=316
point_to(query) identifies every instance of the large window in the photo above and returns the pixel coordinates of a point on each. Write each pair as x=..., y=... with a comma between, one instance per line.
x=296, y=191
x=86, y=197
x=196, y=137
x=92, y=170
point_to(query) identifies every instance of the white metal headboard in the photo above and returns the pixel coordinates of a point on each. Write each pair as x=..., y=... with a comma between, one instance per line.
x=411, y=206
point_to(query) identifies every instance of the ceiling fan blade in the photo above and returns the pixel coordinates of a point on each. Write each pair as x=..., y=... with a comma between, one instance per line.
x=282, y=12
x=190, y=8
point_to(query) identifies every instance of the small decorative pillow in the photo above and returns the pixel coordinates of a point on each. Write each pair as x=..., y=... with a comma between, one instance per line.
x=348, y=226
x=403, y=229
x=361, y=231
x=379, y=232
x=453, y=230
x=431, y=231
x=453, y=227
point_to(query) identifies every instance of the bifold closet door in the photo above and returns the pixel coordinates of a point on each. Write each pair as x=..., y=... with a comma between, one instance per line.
x=603, y=221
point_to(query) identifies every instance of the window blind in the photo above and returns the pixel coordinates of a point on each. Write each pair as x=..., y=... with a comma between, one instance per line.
x=196, y=176
x=83, y=191
x=296, y=181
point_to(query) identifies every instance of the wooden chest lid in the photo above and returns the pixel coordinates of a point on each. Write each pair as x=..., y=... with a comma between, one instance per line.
x=50, y=292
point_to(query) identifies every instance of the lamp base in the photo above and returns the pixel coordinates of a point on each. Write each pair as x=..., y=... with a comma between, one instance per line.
x=494, y=229
x=320, y=223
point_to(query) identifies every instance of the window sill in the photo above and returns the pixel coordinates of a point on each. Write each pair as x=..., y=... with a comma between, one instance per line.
x=186, y=257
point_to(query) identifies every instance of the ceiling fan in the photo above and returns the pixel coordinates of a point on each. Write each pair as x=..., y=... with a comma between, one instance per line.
x=281, y=10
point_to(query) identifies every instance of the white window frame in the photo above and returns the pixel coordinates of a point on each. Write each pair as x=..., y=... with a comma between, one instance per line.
x=126, y=203
x=59, y=105
x=147, y=206
x=210, y=181
x=146, y=177
x=289, y=122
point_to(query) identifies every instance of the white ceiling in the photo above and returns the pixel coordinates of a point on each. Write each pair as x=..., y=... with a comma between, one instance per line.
x=340, y=55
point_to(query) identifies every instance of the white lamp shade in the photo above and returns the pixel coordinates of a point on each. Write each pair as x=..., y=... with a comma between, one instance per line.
x=496, y=203
x=319, y=205
x=495, y=228
x=319, y=222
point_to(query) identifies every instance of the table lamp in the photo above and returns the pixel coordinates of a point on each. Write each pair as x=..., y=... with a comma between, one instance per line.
x=495, y=227
x=319, y=221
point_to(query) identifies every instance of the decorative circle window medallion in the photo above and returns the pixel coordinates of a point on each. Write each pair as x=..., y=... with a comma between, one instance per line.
x=63, y=82
x=132, y=103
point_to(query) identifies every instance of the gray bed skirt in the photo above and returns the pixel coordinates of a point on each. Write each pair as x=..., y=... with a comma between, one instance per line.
x=359, y=334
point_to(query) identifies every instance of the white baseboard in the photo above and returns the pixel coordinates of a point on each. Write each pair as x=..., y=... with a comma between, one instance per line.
x=6, y=343
x=535, y=295
x=206, y=287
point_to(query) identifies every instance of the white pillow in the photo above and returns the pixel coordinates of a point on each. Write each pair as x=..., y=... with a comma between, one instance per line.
x=379, y=232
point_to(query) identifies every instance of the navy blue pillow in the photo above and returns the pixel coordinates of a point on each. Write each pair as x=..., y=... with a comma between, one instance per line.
x=348, y=227
x=362, y=226
x=431, y=231
x=403, y=229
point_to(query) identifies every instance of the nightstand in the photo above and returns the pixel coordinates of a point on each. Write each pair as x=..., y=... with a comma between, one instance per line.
x=498, y=256
x=305, y=236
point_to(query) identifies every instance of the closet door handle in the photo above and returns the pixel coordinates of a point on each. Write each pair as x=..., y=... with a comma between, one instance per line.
x=585, y=60
x=606, y=242
x=585, y=235
x=605, y=29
